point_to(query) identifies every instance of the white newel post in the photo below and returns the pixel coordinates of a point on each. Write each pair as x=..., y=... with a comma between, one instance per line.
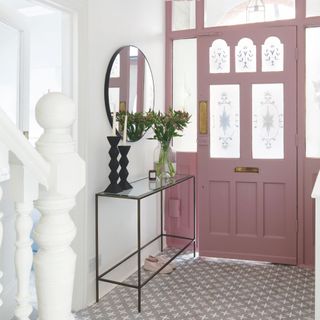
x=4, y=175
x=316, y=196
x=55, y=262
x=25, y=191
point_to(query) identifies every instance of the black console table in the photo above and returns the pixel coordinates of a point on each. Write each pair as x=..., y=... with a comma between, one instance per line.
x=141, y=189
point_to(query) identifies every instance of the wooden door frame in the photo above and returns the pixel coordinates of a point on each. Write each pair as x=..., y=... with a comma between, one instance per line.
x=305, y=255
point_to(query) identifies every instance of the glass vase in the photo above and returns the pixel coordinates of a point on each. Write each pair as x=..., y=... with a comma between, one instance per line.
x=164, y=161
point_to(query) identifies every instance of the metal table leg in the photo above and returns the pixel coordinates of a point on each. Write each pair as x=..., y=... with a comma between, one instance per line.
x=161, y=222
x=194, y=216
x=97, y=248
x=139, y=255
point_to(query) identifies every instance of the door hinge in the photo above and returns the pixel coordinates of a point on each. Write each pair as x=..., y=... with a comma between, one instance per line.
x=297, y=225
x=297, y=54
x=297, y=140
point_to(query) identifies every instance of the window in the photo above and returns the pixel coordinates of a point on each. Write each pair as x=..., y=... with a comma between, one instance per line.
x=183, y=14
x=185, y=90
x=220, y=13
x=312, y=93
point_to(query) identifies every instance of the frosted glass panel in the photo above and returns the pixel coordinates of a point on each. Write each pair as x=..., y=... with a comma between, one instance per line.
x=115, y=71
x=185, y=90
x=232, y=12
x=312, y=93
x=183, y=14
x=9, y=71
x=246, y=60
x=313, y=8
x=224, y=121
x=114, y=99
x=148, y=89
x=267, y=121
x=272, y=55
x=219, y=56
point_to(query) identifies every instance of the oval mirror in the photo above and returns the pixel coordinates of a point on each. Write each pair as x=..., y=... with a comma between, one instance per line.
x=129, y=82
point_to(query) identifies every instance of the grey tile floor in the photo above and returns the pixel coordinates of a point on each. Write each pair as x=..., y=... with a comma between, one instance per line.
x=219, y=289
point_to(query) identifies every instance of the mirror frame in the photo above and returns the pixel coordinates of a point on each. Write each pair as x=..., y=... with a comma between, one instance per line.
x=107, y=81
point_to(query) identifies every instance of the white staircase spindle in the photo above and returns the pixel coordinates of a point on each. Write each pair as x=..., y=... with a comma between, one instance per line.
x=25, y=191
x=23, y=259
x=55, y=262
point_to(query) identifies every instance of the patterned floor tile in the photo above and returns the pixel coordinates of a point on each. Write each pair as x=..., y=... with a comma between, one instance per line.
x=218, y=289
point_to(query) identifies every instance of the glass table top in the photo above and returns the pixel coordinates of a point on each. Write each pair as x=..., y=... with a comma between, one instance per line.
x=145, y=187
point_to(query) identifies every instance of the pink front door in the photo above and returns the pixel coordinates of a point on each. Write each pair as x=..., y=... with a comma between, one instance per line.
x=247, y=169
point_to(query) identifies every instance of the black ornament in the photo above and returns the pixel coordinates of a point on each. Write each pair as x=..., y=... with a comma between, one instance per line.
x=113, y=165
x=124, y=184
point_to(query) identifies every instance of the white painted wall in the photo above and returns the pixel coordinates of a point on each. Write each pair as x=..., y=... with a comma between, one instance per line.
x=113, y=24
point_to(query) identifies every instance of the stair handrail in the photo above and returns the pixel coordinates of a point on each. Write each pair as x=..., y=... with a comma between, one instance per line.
x=16, y=142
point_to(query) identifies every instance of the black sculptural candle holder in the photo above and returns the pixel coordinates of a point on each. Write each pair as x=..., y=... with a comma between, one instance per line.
x=113, y=165
x=124, y=184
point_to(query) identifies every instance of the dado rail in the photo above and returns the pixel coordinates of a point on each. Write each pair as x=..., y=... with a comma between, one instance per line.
x=48, y=177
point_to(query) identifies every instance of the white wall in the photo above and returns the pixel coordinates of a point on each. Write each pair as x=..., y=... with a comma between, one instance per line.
x=113, y=24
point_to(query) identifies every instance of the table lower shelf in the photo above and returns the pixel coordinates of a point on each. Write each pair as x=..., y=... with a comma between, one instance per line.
x=145, y=281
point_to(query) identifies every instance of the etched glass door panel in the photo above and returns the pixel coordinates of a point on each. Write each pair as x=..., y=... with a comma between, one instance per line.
x=272, y=55
x=219, y=57
x=312, y=93
x=267, y=121
x=245, y=56
x=225, y=121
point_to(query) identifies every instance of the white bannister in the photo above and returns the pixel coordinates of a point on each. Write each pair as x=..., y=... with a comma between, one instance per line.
x=56, y=165
x=16, y=142
x=316, y=196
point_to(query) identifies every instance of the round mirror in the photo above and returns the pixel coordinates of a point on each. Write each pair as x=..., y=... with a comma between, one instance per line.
x=129, y=83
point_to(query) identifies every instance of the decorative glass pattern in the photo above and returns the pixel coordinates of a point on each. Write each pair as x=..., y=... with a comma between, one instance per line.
x=246, y=60
x=115, y=70
x=225, y=121
x=183, y=14
x=267, y=121
x=272, y=55
x=312, y=93
x=219, y=56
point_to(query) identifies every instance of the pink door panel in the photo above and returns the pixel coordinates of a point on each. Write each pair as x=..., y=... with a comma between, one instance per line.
x=241, y=214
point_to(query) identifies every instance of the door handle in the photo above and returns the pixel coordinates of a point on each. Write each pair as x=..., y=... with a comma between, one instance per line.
x=246, y=170
x=203, y=117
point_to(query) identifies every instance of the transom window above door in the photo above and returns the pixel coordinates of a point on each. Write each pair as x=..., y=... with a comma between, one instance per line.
x=233, y=12
x=222, y=13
